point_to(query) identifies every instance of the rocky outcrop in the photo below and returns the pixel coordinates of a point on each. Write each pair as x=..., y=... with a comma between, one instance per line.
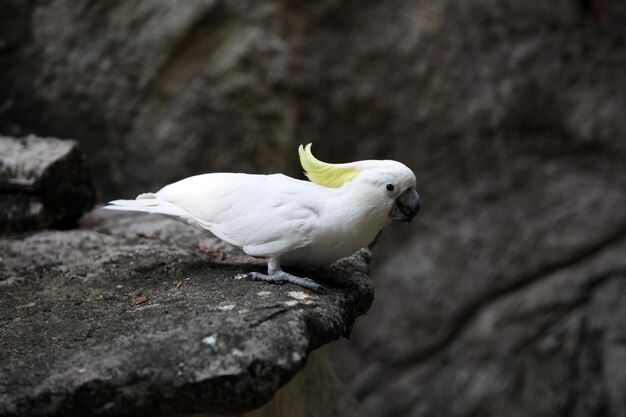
x=136, y=315
x=43, y=183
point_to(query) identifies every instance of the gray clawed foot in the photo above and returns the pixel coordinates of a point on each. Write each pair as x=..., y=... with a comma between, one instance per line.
x=280, y=277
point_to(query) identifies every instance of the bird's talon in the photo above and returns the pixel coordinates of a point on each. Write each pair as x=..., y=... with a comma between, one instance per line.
x=257, y=276
x=318, y=289
x=280, y=277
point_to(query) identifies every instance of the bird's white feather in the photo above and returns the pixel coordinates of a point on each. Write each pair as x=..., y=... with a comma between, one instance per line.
x=276, y=216
x=148, y=206
x=154, y=206
x=265, y=215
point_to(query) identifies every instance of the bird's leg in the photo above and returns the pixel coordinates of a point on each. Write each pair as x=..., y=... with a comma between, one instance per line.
x=277, y=275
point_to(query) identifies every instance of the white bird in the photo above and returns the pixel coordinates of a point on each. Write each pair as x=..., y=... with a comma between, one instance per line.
x=291, y=221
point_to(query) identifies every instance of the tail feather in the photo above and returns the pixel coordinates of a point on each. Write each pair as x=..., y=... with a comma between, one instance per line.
x=149, y=205
x=137, y=203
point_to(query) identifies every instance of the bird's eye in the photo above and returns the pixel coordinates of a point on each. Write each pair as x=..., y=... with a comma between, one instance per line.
x=389, y=187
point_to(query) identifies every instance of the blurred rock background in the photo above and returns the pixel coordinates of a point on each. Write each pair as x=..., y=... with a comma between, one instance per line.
x=507, y=296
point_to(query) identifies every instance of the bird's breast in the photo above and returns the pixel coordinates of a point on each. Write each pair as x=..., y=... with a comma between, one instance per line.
x=338, y=237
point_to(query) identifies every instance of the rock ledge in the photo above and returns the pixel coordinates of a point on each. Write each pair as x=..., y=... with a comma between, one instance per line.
x=139, y=315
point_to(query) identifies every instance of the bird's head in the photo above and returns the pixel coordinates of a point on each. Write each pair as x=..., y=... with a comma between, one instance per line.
x=390, y=182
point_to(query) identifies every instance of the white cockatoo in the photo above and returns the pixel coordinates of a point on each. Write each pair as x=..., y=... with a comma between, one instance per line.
x=296, y=222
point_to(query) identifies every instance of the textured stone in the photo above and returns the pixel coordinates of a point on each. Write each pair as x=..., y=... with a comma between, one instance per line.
x=112, y=320
x=511, y=114
x=43, y=182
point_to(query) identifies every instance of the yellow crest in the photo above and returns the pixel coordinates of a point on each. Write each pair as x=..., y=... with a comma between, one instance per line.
x=322, y=173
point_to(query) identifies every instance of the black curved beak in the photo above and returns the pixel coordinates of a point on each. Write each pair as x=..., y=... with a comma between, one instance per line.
x=406, y=206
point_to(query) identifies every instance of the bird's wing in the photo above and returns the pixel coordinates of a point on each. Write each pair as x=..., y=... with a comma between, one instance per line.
x=265, y=215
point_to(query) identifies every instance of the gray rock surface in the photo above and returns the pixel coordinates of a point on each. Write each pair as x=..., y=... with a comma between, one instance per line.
x=511, y=114
x=139, y=315
x=43, y=183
